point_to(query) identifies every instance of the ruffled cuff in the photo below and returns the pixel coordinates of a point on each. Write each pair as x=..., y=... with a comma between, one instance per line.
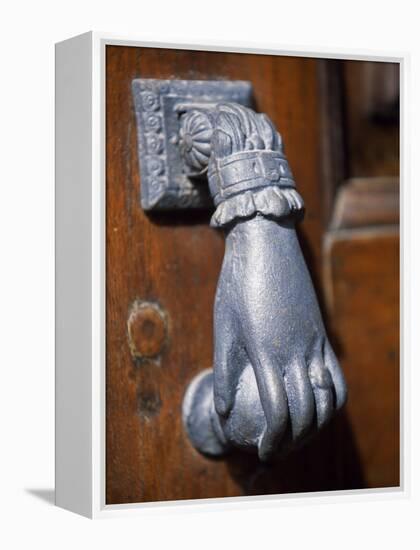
x=269, y=201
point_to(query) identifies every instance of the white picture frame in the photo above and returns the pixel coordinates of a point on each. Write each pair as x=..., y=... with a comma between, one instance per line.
x=80, y=278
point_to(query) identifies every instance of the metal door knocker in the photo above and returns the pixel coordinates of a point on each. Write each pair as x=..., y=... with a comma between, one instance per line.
x=275, y=378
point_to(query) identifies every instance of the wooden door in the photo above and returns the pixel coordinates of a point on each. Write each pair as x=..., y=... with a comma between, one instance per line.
x=162, y=270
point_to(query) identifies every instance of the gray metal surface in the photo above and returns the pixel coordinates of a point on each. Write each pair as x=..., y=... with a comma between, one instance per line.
x=275, y=378
x=165, y=182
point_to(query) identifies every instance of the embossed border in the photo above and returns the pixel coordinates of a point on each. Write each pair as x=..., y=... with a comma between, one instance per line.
x=164, y=184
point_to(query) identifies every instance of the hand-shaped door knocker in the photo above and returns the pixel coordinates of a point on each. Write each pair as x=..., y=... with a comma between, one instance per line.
x=275, y=377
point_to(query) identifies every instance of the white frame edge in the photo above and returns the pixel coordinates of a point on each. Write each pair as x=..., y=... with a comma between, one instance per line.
x=80, y=281
x=73, y=253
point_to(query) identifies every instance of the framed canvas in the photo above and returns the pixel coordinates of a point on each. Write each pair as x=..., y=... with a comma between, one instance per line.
x=227, y=275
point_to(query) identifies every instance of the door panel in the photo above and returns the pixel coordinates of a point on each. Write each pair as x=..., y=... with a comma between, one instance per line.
x=365, y=306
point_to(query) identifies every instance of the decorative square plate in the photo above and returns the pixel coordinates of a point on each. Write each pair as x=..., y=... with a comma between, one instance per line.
x=164, y=183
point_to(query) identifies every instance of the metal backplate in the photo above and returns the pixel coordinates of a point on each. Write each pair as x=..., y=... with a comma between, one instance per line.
x=164, y=183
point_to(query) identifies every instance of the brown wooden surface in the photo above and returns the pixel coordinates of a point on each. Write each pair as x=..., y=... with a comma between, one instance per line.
x=372, y=118
x=362, y=280
x=333, y=154
x=367, y=202
x=173, y=260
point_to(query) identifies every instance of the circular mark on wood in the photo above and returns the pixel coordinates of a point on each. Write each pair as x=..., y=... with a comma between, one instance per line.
x=147, y=330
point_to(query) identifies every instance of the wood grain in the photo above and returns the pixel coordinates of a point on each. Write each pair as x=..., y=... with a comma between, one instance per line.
x=365, y=202
x=372, y=118
x=363, y=271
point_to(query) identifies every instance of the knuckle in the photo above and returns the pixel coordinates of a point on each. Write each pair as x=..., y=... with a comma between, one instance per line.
x=320, y=376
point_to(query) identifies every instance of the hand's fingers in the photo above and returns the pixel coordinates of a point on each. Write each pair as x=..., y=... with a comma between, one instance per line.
x=322, y=387
x=273, y=400
x=334, y=368
x=300, y=398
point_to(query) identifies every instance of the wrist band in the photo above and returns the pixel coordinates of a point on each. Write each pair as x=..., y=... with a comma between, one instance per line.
x=248, y=170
